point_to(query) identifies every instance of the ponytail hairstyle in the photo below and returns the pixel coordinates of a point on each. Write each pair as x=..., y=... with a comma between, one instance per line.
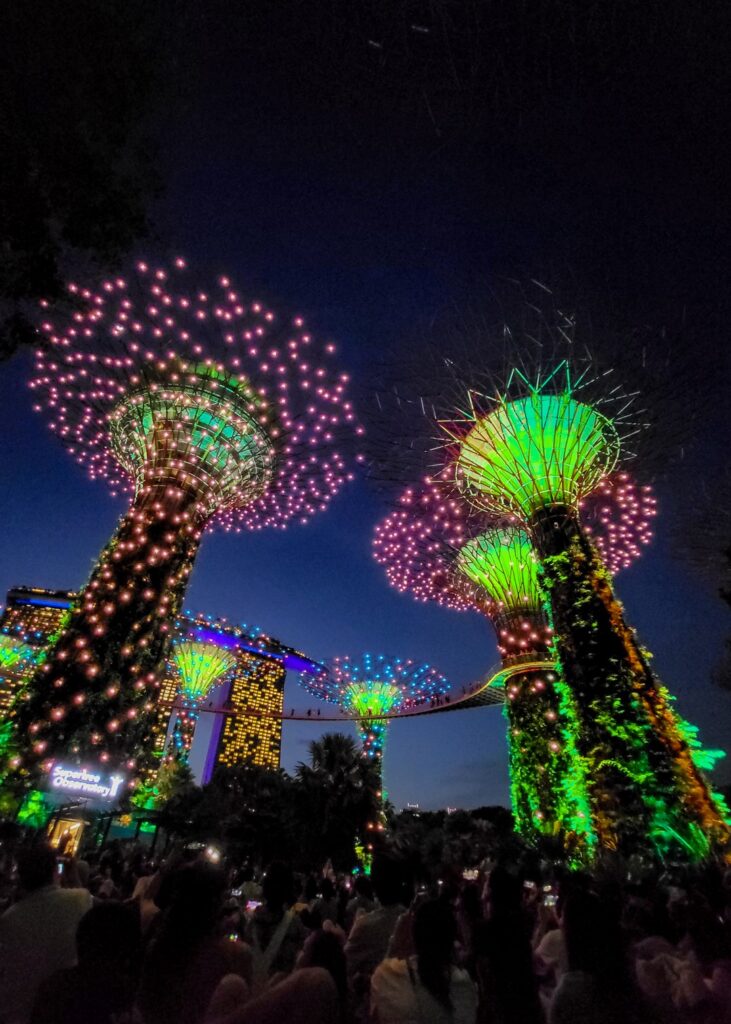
x=435, y=932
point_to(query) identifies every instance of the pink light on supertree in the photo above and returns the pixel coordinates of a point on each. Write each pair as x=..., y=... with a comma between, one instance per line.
x=618, y=516
x=210, y=411
x=419, y=541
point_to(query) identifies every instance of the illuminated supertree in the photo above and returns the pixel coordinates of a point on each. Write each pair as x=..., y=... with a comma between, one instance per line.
x=201, y=666
x=210, y=413
x=434, y=546
x=373, y=688
x=534, y=449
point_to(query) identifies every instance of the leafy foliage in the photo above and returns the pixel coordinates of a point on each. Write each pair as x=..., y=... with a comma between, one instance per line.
x=647, y=792
x=78, y=170
x=265, y=814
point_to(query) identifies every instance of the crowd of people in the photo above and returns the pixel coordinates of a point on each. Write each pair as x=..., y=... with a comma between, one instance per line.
x=119, y=939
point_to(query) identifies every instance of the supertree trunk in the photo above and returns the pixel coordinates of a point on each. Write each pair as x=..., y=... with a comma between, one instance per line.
x=646, y=792
x=547, y=773
x=186, y=719
x=100, y=679
x=373, y=737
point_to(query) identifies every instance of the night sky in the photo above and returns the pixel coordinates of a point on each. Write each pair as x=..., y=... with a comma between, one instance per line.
x=369, y=188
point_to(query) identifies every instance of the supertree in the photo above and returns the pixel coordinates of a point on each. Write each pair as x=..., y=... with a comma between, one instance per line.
x=374, y=688
x=530, y=443
x=201, y=665
x=210, y=413
x=534, y=448
x=434, y=546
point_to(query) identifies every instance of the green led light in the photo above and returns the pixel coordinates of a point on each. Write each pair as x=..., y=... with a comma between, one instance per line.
x=205, y=430
x=504, y=564
x=201, y=666
x=535, y=452
x=372, y=699
x=12, y=651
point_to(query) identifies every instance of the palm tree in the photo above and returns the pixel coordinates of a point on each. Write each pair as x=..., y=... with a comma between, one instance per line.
x=339, y=788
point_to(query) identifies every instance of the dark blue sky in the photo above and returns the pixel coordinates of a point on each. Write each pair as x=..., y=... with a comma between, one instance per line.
x=324, y=189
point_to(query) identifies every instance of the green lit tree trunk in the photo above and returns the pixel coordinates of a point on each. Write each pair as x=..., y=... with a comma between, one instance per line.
x=181, y=741
x=94, y=696
x=373, y=737
x=547, y=776
x=646, y=793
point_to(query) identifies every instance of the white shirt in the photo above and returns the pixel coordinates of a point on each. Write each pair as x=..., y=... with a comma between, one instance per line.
x=398, y=996
x=37, y=937
x=552, y=950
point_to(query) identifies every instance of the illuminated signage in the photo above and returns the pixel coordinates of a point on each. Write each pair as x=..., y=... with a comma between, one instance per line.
x=86, y=783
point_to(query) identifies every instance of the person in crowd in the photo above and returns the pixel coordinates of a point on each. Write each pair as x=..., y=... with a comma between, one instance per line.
x=469, y=920
x=361, y=902
x=503, y=955
x=711, y=951
x=189, y=955
x=325, y=907
x=274, y=932
x=598, y=987
x=38, y=933
x=324, y=948
x=102, y=986
x=550, y=958
x=370, y=935
x=427, y=988
x=307, y=996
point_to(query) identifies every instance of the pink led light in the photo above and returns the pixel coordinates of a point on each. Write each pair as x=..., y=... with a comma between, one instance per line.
x=155, y=319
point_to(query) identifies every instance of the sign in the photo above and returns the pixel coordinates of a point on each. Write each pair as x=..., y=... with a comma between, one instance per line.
x=86, y=783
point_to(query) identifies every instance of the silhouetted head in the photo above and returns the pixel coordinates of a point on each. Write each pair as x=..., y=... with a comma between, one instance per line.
x=323, y=948
x=505, y=890
x=36, y=866
x=109, y=933
x=363, y=887
x=435, y=932
x=388, y=877
x=194, y=898
x=277, y=886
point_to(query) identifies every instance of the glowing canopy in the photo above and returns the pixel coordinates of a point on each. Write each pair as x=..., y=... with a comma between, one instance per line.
x=197, y=429
x=375, y=684
x=201, y=666
x=540, y=450
x=504, y=564
x=370, y=699
x=152, y=377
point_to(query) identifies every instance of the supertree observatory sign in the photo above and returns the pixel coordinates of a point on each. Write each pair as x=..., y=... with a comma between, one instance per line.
x=83, y=782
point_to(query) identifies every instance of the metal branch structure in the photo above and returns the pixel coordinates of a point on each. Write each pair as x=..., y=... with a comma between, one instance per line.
x=541, y=450
x=535, y=448
x=208, y=411
x=373, y=689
